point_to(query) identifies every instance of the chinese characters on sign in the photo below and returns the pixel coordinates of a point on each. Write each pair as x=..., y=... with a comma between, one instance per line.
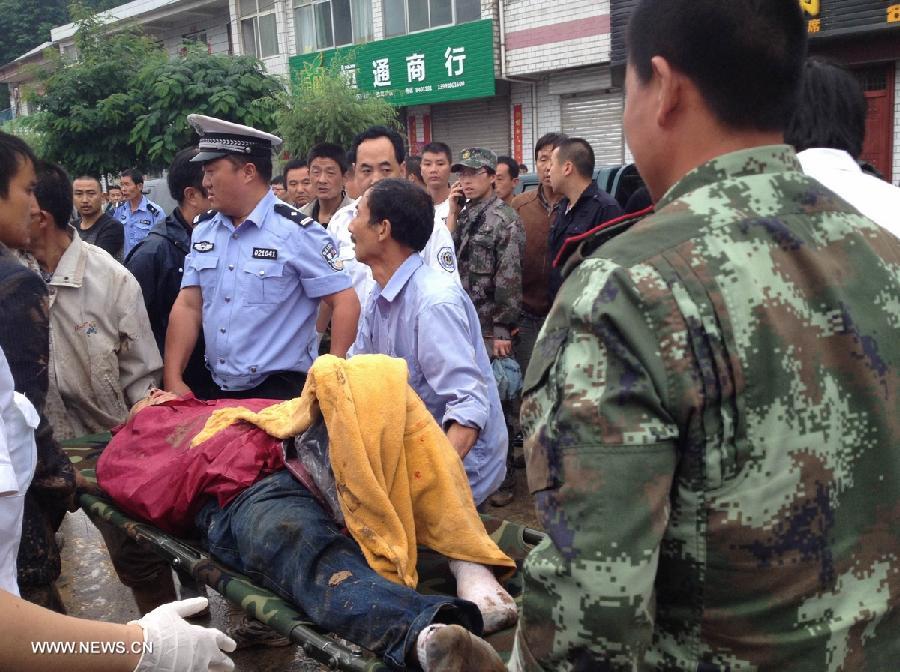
x=381, y=72
x=455, y=63
x=826, y=16
x=415, y=68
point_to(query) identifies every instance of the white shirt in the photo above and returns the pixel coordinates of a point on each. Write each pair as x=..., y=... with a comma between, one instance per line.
x=18, y=455
x=876, y=199
x=438, y=252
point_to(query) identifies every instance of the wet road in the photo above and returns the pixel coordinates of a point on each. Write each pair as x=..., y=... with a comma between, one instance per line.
x=91, y=589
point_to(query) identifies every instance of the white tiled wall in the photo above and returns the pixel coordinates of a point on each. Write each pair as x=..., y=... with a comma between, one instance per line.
x=522, y=15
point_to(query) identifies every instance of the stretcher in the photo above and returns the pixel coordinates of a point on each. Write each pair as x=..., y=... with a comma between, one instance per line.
x=188, y=557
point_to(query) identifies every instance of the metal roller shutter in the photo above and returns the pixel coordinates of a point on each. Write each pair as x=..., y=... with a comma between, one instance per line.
x=596, y=117
x=473, y=123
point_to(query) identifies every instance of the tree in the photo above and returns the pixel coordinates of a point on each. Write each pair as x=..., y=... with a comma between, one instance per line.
x=86, y=109
x=125, y=102
x=321, y=106
x=233, y=88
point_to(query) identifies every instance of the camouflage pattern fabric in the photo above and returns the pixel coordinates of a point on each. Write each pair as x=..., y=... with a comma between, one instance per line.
x=490, y=244
x=263, y=605
x=713, y=426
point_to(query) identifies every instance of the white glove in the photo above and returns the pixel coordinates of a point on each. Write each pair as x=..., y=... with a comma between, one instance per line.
x=178, y=646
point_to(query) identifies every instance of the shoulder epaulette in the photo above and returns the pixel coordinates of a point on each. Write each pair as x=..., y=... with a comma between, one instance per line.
x=293, y=214
x=152, y=209
x=203, y=216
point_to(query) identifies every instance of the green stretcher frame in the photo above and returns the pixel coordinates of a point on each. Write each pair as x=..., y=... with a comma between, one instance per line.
x=188, y=558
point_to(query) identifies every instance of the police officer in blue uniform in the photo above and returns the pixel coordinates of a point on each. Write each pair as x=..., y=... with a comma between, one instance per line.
x=137, y=213
x=255, y=274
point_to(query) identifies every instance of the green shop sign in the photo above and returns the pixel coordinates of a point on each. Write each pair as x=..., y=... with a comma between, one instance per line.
x=435, y=66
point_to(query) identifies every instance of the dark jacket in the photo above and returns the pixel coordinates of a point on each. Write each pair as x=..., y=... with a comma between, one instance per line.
x=158, y=264
x=106, y=233
x=592, y=208
x=25, y=340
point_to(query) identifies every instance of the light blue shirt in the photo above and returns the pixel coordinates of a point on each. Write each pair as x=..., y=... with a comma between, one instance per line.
x=137, y=223
x=261, y=283
x=423, y=316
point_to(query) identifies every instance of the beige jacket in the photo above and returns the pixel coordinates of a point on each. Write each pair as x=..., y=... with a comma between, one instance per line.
x=103, y=357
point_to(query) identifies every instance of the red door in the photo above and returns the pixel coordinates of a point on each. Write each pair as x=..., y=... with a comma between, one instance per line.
x=878, y=149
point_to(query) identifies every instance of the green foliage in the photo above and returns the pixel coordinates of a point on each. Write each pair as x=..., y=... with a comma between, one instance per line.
x=86, y=109
x=233, y=88
x=124, y=102
x=19, y=127
x=25, y=25
x=322, y=107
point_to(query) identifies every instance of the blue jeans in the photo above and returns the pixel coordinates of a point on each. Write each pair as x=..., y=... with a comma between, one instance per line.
x=277, y=534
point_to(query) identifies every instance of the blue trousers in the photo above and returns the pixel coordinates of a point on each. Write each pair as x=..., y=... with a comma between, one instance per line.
x=277, y=534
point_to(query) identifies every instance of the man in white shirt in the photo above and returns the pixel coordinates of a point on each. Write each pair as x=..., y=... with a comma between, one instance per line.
x=828, y=129
x=18, y=456
x=379, y=154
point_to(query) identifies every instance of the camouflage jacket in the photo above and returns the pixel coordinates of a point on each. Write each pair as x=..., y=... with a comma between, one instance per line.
x=712, y=421
x=490, y=244
x=25, y=340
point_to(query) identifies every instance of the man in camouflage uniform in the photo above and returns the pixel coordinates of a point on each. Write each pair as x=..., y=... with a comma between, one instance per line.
x=712, y=407
x=490, y=243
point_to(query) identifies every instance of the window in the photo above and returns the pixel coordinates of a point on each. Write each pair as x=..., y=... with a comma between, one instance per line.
x=323, y=24
x=195, y=38
x=259, y=28
x=410, y=16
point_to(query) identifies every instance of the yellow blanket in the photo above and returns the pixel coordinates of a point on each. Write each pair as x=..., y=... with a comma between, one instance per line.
x=399, y=480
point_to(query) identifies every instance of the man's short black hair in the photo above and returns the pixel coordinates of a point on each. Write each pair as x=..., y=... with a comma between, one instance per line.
x=263, y=164
x=113, y=186
x=14, y=152
x=580, y=153
x=745, y=57
x=551, y=140
x=293, y=164
x=136, y=176
x=510, y=163
x=278, y=179
x=414, y=166
x=184, y=174
x=329, y=150
x=375, y=132
x=407, y=207
x=831, y=110
x=438, y=148
x=54, y=192
x=92, y=178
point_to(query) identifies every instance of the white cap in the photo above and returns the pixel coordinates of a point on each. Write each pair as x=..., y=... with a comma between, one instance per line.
x=219, y=138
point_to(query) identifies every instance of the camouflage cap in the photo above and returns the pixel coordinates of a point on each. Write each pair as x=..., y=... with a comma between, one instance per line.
x=475, y=157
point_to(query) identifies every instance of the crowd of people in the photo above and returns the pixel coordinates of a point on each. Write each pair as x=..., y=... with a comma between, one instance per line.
x=704, y=377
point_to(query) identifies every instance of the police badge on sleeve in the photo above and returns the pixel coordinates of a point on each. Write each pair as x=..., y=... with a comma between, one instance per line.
x=330, y=254
x=446, y=260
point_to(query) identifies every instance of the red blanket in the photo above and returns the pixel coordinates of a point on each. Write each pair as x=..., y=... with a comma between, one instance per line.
x=150, y=471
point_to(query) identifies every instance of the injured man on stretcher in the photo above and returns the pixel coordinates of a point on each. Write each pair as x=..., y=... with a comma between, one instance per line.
x=323, y=499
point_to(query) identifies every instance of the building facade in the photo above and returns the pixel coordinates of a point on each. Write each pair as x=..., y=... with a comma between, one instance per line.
x=492, y=73
x=865, y=35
